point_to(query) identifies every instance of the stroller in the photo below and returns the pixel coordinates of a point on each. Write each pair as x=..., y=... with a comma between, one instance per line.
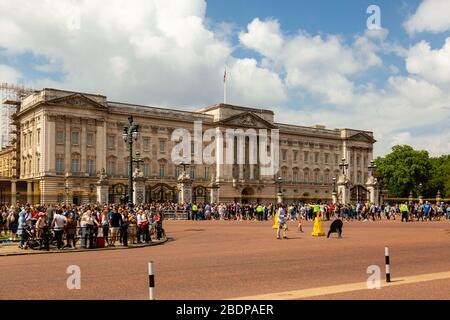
x=32, y=241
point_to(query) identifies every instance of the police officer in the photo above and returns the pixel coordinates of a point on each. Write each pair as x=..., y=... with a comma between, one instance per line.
x=194, y=212
x=404, y=211
x=260, y=212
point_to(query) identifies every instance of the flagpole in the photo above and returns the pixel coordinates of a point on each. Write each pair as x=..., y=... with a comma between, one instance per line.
x=225, y=86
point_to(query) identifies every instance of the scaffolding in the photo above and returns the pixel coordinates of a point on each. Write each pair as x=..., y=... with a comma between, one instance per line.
x=11, y=96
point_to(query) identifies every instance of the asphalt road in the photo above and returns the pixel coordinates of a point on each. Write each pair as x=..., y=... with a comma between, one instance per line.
x=223, y=260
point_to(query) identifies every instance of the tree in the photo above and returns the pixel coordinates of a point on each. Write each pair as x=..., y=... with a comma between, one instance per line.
x=440, y=176
x=403, y=170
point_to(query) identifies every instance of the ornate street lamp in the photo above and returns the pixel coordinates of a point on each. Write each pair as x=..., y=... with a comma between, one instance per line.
x=343, y=166
x=334, y=185
x=129, y=135
x=279, y=181
x=372, y=167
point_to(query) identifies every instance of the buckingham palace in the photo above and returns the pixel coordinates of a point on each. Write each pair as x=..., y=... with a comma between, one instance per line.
x=64, y=139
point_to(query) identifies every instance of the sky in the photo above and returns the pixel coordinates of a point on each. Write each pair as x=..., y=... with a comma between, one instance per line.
x=311, y=62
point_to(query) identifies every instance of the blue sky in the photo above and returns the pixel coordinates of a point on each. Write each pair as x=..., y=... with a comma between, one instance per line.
x=312, y=62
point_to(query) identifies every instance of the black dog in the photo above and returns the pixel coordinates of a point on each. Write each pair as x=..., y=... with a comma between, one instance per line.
x=336, y=227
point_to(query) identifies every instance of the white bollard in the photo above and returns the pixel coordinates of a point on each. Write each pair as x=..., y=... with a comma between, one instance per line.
x=388, y=265
x=151, y=281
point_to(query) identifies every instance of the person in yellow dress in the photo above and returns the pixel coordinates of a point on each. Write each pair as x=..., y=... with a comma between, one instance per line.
x=318, y=226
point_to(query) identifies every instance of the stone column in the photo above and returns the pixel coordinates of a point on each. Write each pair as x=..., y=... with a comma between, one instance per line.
x=334, y=198
x=241, y=172
x=102, y=193
x=343, y=186
x=372, y=188
x=279, y=197
x=29, y=192
x=139, y=187
x=13, y=192
x=185, y=188
x=103, y=188
x=214, y=192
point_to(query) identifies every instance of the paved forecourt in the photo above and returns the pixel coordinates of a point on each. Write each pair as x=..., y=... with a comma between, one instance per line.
x=231, y=260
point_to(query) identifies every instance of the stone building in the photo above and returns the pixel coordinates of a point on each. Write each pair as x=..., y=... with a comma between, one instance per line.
x=66, y=138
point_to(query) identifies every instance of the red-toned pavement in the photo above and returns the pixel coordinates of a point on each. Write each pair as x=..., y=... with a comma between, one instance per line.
x=222, y=260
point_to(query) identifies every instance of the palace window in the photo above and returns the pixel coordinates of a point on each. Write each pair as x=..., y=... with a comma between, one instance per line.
x=295, y=175
x=206, y=172
x=326, y=177
x=146, y=169
x=316, y=176
x=162, y=170
x=295, y=154
x=90, y=167
x=193, y=172
x=76, y=165
x=162, y=146
x=60, y=164
x=306, y=175
x=306, y=156
x=284, y=155
x=90, y=139
x=111, y=167
x=316, y=157
x=60, y=137
x=111, y=141
x=75, y=138
x=146, y=142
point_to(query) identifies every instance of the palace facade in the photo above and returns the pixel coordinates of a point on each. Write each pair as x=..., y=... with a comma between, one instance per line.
x=66, y=138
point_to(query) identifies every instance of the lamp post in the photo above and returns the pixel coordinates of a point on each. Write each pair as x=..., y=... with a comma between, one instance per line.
x=420, y=193
x=372, y=167
x=334, y=193
x=129, y=135
x=343, y=166
x=66, y=187
x=280, y=193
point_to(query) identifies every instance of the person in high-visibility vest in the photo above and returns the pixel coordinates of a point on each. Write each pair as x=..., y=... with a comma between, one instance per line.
x=194, y=212
x=260, y=212
x=404, y=210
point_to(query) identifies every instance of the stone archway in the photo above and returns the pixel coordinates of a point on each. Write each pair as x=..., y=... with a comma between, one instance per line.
x=247, y=195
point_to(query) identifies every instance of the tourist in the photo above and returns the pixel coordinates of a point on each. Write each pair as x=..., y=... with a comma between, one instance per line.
x=58, y=224
x=115, y=222
x=282, y=222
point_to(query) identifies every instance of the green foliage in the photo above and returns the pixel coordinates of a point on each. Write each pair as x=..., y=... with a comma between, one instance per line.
x=402, y=171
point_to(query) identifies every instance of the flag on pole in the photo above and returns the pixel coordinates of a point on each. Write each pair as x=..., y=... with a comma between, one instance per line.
x=225, y=75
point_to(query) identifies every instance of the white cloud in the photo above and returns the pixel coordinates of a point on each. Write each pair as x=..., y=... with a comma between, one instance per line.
x=319, y=65
x=263, y=36
x=267, y=88
x=432, y=65
x=145, y=51
x=164, y=53
x=8, y=74
x=431, y=16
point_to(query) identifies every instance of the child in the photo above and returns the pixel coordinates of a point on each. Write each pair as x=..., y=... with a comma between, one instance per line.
x=300, y=229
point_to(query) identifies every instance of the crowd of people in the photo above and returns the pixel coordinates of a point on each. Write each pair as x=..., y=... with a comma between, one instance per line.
x=101, y=226
x=359, y=211
x=62, y=226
